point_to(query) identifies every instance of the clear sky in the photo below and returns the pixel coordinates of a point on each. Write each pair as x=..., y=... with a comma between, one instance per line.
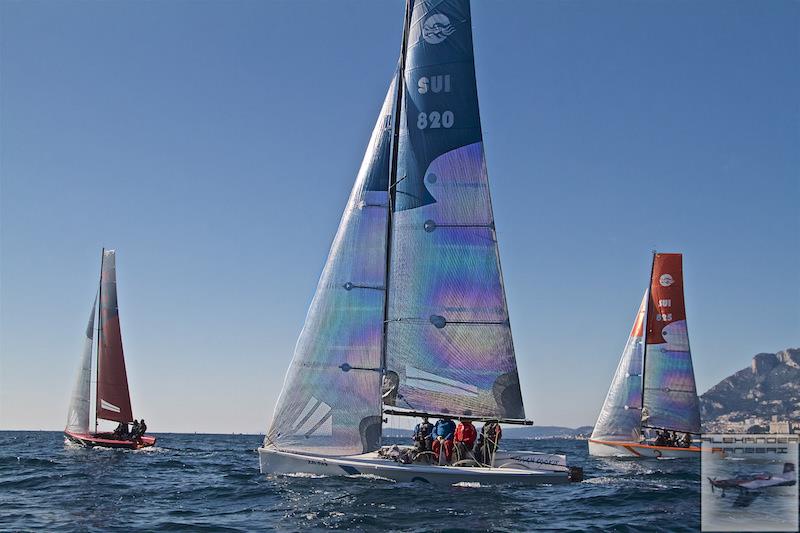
x=214, y=144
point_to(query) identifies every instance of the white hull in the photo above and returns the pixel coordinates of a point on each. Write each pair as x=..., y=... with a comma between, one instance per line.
x=632, y=449
x=528, y=468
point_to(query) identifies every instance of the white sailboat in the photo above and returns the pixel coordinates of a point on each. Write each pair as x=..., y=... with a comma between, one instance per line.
x=410, y=314
x=653, y=389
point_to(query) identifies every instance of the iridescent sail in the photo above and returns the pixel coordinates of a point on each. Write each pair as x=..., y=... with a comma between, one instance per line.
x=78, y=417
x=621, y=416
x=331, y=399
x=670, y=395
x=449, y=345
x=113, y=398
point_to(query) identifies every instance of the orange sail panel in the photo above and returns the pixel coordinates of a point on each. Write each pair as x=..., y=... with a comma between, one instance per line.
x=113, y=398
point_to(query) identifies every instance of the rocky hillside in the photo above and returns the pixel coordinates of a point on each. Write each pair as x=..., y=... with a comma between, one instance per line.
x=770, y=386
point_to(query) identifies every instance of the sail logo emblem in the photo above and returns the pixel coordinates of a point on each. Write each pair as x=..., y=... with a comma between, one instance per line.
x=666, y=280
x=437, y=28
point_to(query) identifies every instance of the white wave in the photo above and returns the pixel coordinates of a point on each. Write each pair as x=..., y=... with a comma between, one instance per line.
x=603, y=480
x=150, y=449
x=469, y=484
x=303, y=475
x=371, y=476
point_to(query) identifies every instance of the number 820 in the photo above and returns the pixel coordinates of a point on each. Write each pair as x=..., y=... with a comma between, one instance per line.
x=434, y=120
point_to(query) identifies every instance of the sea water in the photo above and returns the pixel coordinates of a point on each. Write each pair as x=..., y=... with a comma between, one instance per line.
x=212, y=483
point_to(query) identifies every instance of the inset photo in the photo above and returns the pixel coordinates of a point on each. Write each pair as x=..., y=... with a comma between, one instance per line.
x=749, y=483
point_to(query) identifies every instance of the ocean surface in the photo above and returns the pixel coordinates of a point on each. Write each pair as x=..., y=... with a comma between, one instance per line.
x=212, y=483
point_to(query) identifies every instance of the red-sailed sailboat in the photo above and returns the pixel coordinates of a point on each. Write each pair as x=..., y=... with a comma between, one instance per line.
x=112, y=400
x=653, y=389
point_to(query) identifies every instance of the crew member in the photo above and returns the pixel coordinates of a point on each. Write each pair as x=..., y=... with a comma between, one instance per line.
x=443, y=433
x=134, y=429
x=422, y=435
x=488, y=442
x=122, y=430
x=687, y=440
x=464, y=438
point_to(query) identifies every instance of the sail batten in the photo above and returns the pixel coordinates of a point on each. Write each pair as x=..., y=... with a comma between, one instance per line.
x=449, y=347
x=113, y=400
x=331, y=399
x=79, y=405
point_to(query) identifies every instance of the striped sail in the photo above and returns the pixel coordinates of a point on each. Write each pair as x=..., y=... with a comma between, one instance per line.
x=670, y=394
x=330, y=403
x=113, y=397
x=621, y=415
x=78, y=416
x=449, y=345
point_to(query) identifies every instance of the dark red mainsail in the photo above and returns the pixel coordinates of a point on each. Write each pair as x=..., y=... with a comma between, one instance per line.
x=113, y=398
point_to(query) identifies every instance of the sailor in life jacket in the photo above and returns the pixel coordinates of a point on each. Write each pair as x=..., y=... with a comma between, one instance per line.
x=422, y=435
x=443, y=433
x=488, y=442
x=464, y=438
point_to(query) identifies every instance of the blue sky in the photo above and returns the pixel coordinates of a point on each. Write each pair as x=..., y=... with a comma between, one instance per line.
x=214, y=144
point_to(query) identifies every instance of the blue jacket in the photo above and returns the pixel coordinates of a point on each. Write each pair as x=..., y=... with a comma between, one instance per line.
x=444, y=428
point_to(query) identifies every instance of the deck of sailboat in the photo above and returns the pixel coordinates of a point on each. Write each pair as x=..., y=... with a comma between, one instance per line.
x=274, y=461
x=107, y=440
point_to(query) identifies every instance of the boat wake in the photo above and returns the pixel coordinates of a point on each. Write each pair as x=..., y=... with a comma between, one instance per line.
x=303, y=475
x=371, y=477
x=469, y=484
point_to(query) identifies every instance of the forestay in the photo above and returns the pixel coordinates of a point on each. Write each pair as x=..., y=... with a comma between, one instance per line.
x=621, y=416
x=670, y=394
x=79, y=404
x=113, y=398
x=330, y=403
x=449, y=345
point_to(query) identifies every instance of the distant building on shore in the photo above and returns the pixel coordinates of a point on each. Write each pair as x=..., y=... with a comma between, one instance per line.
x=779, y=426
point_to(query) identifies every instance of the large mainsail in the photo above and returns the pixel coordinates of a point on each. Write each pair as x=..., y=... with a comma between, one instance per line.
x=113, y=398
x=449, y=347
x=330, y=403
x=670, y=395
x=78, y=417
x=621, y=416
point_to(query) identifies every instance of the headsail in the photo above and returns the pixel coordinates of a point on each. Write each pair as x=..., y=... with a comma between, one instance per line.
x=621, y=416
x=78, y=417
x=330, y=403
x=449, y=345
x=670, y=394
x=113, y=398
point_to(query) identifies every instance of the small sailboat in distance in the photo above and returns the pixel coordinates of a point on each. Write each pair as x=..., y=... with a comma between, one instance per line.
x=112, y=398
x=653, y=389
x=409, y=317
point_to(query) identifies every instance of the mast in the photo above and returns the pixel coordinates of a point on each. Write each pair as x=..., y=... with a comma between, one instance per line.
x=646, y=325
x=99, y=334
x=393, y=176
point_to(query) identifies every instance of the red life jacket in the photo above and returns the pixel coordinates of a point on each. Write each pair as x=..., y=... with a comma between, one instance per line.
x=466, y=433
